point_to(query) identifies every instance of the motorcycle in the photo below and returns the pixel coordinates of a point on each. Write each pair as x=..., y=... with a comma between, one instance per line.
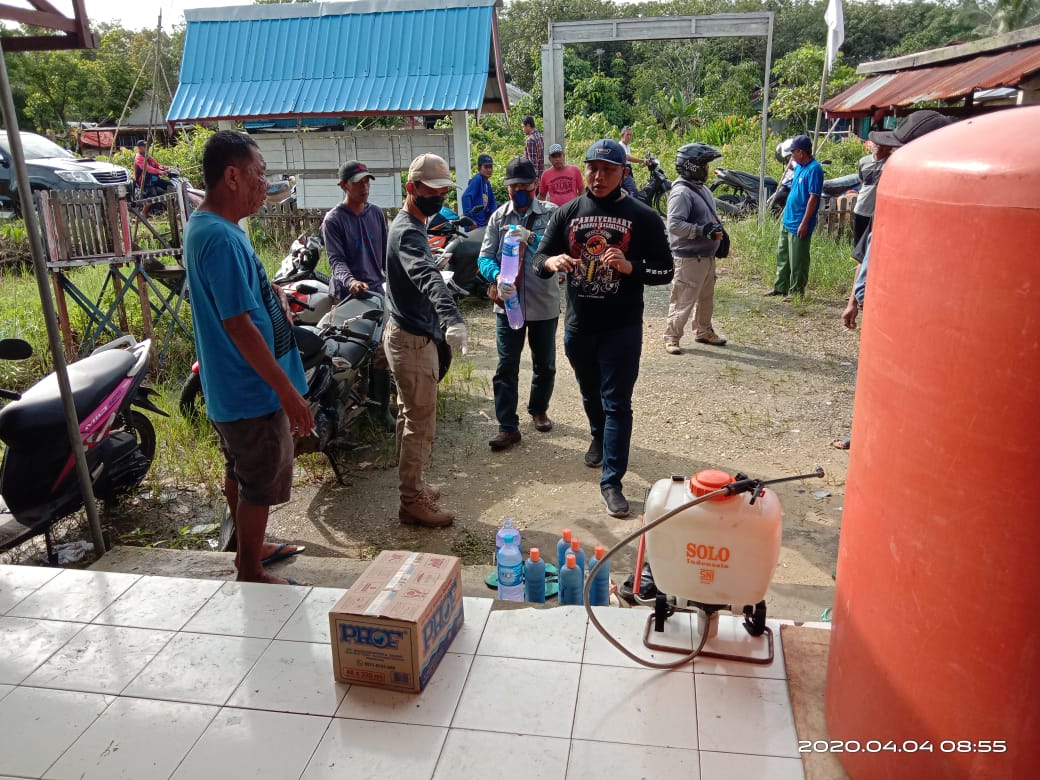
x=455, y=242
x=38, y=481
x=151, y=198
x=655, y=191
x=307, y=290
x=736, y=192
x=281, y=191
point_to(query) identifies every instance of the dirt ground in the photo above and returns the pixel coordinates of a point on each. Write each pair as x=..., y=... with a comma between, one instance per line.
x=768, y=404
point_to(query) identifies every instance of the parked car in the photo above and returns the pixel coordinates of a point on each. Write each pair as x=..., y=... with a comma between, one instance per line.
x=51, y=167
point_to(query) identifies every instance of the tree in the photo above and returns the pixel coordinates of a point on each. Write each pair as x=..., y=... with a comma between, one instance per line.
x=53, y=88
x=798, y=84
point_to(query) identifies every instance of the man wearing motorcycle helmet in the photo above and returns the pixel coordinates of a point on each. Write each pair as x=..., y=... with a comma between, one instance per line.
x=694, y=232
x=354, y=234
x=251, y=371
x=539, y=301
x=610, y=246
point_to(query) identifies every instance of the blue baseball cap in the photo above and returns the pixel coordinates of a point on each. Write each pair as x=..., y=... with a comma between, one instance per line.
x=607, y=150
x=484, y=159
x=801, y=142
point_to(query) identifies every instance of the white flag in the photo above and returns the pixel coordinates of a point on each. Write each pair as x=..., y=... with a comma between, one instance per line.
x=835, y=19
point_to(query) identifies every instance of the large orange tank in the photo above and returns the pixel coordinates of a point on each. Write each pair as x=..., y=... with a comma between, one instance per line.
x=936, y=628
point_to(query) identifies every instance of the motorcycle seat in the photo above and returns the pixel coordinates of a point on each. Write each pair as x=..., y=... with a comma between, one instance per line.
x=40, y=411
x=308, y=342
x=750, y=181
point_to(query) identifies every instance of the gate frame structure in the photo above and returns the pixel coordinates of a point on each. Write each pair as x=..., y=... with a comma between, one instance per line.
x=94, y=227
x=649, y=29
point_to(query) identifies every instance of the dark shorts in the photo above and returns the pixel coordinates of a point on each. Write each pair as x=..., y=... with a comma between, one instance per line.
x=258, y=454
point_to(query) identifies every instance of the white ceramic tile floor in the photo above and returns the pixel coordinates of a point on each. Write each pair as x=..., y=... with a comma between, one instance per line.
x=237, y=680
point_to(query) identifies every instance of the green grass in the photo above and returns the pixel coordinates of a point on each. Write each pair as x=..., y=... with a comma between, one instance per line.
x=752, y=259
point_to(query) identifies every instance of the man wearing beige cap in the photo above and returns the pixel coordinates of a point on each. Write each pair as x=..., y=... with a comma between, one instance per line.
x=422, y=313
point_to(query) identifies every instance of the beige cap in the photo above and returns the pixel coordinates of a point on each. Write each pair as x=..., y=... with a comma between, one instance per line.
x=431, y=170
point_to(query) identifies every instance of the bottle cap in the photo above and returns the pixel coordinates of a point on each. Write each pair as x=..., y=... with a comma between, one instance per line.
x=536, y=554
x=567, y=535
x=704, y=482
x=572, y=562
x=507, y=522
x=575, y=544
x=600, y=552
x=508, y=538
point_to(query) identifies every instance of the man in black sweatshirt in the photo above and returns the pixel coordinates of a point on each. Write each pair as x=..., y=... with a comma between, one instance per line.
x=609, y=245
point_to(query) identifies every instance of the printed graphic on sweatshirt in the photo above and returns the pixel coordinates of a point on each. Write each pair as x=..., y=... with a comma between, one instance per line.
x=589, y=238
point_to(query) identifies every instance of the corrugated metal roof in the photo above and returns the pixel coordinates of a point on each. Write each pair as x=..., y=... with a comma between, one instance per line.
x=941, y=82
x=390, y=57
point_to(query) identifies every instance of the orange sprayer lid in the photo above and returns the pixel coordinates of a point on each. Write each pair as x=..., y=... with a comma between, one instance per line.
x=704, y=482
x=575, y=544
x=566, y=534
x=572, y=562
x=536, y=554
x=600, y=551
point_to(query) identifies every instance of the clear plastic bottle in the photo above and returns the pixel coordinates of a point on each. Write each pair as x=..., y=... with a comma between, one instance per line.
x=599, y=591
x=572, y=582
x=534, y=577
x=509, y=272
x=507, y=528
x=510, y=571
x=563, y=546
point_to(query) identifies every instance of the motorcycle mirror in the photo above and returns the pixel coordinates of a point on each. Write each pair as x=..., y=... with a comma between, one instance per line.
x=466, y=222
x=15, y=349
x=825, y=162
x=373, y=315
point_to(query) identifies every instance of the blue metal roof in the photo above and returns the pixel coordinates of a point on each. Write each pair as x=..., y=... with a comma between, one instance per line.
x=310, y=59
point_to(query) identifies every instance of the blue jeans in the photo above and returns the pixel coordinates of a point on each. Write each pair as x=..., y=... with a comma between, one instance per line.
x=541, y=336
x=606, y=366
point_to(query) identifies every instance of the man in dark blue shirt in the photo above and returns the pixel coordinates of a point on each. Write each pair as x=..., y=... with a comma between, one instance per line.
x=355, y=236
x=478, y=201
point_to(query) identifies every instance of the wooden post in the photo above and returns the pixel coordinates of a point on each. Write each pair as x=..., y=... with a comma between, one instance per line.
x=117, y=288
x=142, y=294
x=63, y=316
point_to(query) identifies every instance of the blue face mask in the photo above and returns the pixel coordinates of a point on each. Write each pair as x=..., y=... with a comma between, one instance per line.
x=521, y=198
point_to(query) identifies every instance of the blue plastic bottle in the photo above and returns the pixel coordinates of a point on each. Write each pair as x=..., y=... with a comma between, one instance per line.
x=599, y=591
x=507, y=528
x=510, y=571
x=579, y=555
x=572, y=582
x=562, y=548
x=534, y=577
x=510, y=270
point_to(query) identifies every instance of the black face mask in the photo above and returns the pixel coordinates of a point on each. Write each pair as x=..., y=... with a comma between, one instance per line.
x=428, y=205
x=610, y=197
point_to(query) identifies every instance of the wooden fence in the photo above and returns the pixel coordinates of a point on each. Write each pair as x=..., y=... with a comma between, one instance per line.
x=835, y=219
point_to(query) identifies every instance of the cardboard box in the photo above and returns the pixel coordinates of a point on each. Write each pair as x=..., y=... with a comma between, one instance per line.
x=393, y=626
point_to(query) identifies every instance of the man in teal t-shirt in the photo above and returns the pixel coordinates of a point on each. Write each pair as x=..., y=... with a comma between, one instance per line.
x=251, y=372
x=799, y=221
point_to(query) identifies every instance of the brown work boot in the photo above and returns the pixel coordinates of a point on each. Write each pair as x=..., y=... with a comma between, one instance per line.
x=423, y=510
x=504, y=440
x=711, y=337
x=542, y=422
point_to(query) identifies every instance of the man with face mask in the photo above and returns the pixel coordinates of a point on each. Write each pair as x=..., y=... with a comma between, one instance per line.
x=610, y=245
x=421, y=313
x=539, y=301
